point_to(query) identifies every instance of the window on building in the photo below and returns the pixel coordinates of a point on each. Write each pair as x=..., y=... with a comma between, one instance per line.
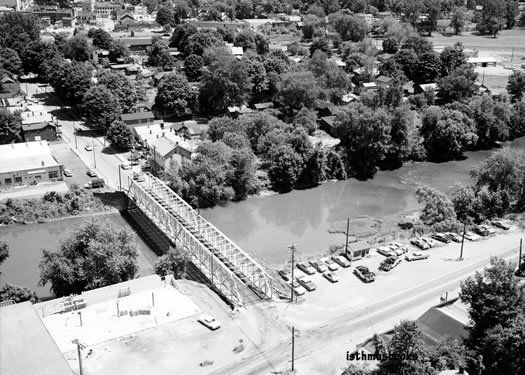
x=38, y=178
x=53, y=174
x=8, y=181
x=18, y=179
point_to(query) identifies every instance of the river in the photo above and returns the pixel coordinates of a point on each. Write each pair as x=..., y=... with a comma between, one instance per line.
x=265, y=226
x=26, y=243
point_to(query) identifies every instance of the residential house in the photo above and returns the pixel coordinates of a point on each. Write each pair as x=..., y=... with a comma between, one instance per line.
x=195, y=131
x=236, y=111
x=27, y=163
x=384, y=81
x=425, y=87
x=325, y=109
x=482, y=62
x=168, y=152
x=327, y=124
x=368, y=87
x=263, y=106
x=137, y=118
x=40, y=131
x=9, y=88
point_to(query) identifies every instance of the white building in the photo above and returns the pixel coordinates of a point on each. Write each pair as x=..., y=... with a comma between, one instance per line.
x=27, y=163
x=170, y=151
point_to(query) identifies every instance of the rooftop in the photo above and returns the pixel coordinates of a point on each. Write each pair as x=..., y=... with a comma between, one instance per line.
x=25, y=156
x=359, y=245
x=26, y=346
x=36, y=126
x=137, y=116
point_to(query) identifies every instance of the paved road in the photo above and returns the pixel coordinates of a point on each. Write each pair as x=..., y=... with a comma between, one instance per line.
x=335, y=335
x=103, y=159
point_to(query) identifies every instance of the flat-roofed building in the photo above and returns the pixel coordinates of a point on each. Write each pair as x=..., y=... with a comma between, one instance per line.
x=26, y=346
x=27, y=163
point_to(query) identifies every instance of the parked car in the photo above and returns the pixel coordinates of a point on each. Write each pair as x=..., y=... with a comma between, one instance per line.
x=500, y=224
x=454, y=236
x=332, y=266
x=420, y=243
x=442, y=237
x=68, y=172
x=94, y=184
x=330, y=276
x=209, y=322
x=416, y=255
x=91, y=173
x=364, y=274
x=471, y=236
x=307, y=269
x=125, y=166
x=298, y=290
x=342, y=261
x=139, y=177
x=399, y=246
x=429, y=241
x=319, y=266
x=389, y=263
x=385, y=250
x=306, y=283
x=285, y=275
x=88, y=148
x=484, y=230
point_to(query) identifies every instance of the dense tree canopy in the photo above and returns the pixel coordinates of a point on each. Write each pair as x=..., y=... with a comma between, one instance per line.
x=102, y=39
x=96, y=254
x=120, y=136
x=10, y=127
x=100, y=107
x=175, y=96
x=70, y=81
x=121, y=87
x=516, y=85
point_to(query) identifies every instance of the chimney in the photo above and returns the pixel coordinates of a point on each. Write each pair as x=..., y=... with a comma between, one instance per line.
x=43, y=163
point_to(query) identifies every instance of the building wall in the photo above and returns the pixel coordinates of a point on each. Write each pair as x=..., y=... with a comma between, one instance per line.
x=27, y=177
x=46, y=134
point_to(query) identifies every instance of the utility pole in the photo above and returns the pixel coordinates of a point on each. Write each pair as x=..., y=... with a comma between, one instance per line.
x=79, y=354
x=292, y=247
x=94, y=158
x=463, y=241
x=293, y=348
x=119, y=177
x=512, y=56
x=519, y=259
x=483, y=79
x=347, y=230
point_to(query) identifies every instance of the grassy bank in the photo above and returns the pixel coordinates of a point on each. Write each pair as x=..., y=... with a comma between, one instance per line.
x=51, y=206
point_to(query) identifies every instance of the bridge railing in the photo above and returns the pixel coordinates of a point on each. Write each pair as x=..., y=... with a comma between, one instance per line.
x=227, y=266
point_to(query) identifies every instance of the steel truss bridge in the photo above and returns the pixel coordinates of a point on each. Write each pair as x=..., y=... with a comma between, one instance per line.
x=236, y=275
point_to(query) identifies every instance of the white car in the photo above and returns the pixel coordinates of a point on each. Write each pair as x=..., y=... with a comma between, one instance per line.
x=125, y=166
x=330, y=276
x=342, y=261
x=416, y=255
x=298, y=290
x=429, y=241
x=209, y=322
x=332, y=266
x=471, y=236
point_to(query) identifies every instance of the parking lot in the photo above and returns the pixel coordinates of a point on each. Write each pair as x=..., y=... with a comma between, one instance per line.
x=350, y=293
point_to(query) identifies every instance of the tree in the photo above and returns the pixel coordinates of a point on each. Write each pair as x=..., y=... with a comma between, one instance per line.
x=517, y=120
x=516, y=85
x=448, y=354
x=417, y=44
x=298, y=90
x=407, y=343
x=102, y=39
x=320, y=44
x=511, y=13
x=193, y=67
x=463, y=198
x=100, y=107
x=159, y=55
x=245, y=39
x=165, y=17
x=70, y=81
x=459, y=85
x=446, y=133
x=458, y=19
x=365, y=137
x=10, y=61
x=427, y=68
x=76, y=48
x=18, y=29
x=17, y=294
x=120, y=136
x=4, y=251
x=492, y=119
x=198, y=42
x=286, y=166
x=118, y=50
x=401, y=124
x=175, y=96
x=180, y=11
x=224, y=84
x=36, y=54
x=307, y=119
x=349, y=27
x=121, y=87
x=390, y=45
x=96, y=254
x=10, y=125
x=261, y=44
x=181, y=34
x=452, y=58
x=437, y=206
x=407, y=60
x=174, y=262
x=495, y=303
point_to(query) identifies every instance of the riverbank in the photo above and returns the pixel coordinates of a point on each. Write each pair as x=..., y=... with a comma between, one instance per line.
x=51, y=206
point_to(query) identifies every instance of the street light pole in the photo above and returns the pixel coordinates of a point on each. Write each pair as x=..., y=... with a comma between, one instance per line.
x=293, y=348
x=519, y=259
x=463, y=241
x=292, y=247
x=94, y=157
x=119, y=177
x=347, y=230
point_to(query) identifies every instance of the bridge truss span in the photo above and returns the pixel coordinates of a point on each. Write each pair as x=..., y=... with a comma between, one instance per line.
x=231, y=270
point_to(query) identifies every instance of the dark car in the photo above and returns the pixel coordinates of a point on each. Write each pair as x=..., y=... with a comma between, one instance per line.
x=454, y=236
x=364, y=274
x=307, y=269
x=285, y=274
x=442, y=237
x=500, y=224
x=389, y=263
